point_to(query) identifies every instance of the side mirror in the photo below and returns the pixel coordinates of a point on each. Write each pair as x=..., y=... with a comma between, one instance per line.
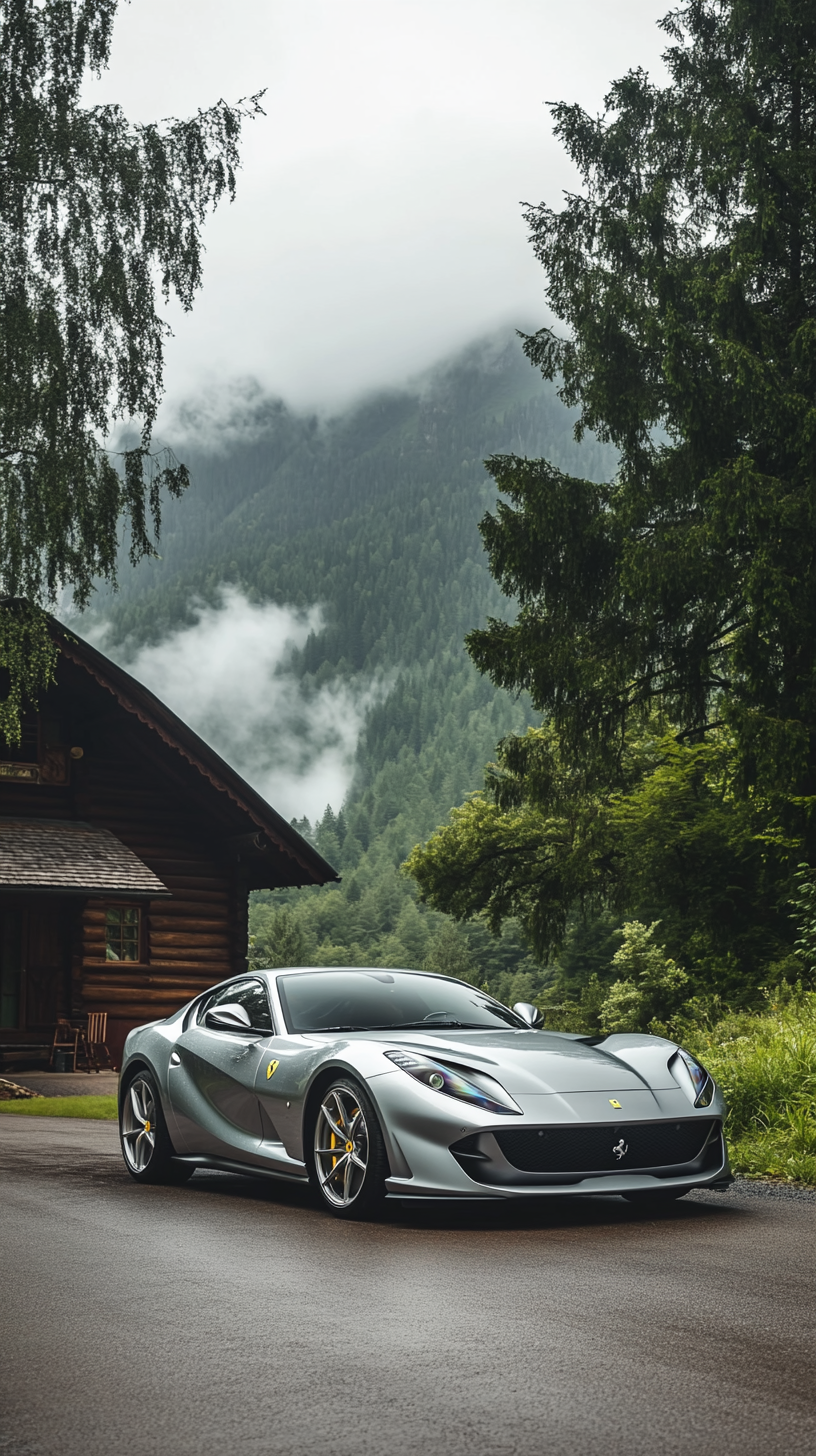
x=529, y=1013
x=231, y=1017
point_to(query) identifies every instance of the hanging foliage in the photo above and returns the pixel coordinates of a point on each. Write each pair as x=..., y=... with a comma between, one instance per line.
x=100, y=220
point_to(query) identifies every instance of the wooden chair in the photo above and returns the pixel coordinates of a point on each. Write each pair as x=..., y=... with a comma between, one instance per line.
x=68, y=1038
x=95, y=1045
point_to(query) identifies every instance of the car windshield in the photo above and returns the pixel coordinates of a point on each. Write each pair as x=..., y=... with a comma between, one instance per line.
x=386, y=1000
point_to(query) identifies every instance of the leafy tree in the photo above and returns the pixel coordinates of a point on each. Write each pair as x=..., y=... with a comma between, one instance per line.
x=685, y=271
x=673, y=839
x=97, y=216
x=651, y=986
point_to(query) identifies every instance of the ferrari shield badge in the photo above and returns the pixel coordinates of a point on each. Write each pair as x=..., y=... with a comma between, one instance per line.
x=613, y=1102
x=271, y=1069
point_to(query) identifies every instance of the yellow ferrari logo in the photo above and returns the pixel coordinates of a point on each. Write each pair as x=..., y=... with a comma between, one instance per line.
x=613, y=1102
x=271, y=1069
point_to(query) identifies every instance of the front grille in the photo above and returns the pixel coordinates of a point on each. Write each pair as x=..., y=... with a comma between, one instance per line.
x=592, y=1149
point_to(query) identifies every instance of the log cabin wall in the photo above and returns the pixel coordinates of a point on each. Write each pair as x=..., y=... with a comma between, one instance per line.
x=188, y=942
x=104, y=753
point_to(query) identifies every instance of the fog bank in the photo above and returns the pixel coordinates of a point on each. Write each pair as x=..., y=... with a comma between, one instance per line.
x=229, y=676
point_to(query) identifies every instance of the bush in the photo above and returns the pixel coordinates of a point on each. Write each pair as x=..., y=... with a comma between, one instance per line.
x=766, y=1066
x=652, y=988
x=803, y=905
x=650, y=991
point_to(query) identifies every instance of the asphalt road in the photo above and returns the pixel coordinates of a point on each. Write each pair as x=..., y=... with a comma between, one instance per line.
x=233, y=1317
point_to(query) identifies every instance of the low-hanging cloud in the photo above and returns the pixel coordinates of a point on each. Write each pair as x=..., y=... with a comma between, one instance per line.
x=229, y=676
x=377, y=223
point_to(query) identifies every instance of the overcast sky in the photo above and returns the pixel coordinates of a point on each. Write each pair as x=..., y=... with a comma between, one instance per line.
x=377, y=225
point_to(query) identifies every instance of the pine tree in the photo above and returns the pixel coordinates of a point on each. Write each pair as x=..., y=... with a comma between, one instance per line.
x=685, y=271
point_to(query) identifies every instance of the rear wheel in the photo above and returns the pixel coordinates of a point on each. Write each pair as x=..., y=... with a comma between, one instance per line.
x=146, y=1146
x=350, y=1161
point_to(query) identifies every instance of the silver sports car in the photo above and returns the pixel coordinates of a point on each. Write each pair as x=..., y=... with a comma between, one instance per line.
x=372, y=1084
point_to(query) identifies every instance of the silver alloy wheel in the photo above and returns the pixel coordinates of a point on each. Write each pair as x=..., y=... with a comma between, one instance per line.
x=341, y=1147
x=139, y=1124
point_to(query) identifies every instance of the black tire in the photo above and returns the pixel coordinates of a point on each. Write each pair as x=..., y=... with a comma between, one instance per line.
x=346, y=1187
x=660, y=1195
x=146, y=1146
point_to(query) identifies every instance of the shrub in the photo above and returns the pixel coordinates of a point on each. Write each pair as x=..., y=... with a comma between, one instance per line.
x=766, y=1066
x=651, y=987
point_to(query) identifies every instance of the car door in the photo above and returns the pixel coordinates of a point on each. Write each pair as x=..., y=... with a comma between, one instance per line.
x=213, y=1076
x=283, y=1076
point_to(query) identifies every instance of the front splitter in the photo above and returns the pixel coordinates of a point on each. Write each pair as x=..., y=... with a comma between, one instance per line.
x=633, y=1183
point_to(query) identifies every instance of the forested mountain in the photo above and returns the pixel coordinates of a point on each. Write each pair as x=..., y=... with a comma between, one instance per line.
x=373, y=515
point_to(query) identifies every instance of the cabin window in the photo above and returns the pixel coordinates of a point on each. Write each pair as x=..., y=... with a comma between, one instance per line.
x=123, y=927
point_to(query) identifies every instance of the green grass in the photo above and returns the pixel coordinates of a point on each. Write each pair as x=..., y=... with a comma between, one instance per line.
x=99, y=1108
x=766, y=1066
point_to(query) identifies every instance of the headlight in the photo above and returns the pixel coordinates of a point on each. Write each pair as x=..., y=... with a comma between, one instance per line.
x=694, y=1079
x=444, y=1079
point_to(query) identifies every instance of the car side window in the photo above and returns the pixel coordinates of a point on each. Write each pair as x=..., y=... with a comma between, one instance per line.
x=249, y=994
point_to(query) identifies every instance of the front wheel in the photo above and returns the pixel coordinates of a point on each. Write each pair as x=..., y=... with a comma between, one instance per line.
x=146, y=1146
x=350, y=1161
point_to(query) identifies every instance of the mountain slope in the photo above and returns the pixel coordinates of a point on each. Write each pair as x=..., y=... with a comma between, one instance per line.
x=374, y=516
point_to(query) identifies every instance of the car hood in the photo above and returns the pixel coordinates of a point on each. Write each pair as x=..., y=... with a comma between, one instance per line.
x=527, y=1062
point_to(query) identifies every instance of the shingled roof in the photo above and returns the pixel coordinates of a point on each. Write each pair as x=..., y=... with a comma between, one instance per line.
x=69, y=856
x=272, y=839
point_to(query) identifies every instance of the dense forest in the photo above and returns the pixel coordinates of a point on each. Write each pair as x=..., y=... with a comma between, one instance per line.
x=373, y=515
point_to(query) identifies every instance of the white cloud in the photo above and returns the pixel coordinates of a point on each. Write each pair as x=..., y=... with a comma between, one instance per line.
x=377, y=225
x=228, y=677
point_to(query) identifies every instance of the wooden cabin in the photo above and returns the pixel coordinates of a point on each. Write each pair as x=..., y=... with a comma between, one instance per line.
x=127, y=852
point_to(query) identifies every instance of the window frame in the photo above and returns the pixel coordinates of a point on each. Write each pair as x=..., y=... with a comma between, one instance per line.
x=203, y=1005
x=140, y=934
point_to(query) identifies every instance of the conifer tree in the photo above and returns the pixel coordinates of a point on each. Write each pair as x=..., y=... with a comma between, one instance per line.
x=670, y=613
x=684, y=270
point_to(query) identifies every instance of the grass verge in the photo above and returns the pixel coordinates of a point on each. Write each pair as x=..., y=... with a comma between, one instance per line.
x=766, y=1066
x=101, y=1109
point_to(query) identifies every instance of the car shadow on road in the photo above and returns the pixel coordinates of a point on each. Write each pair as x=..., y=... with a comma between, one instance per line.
x=477, y=1214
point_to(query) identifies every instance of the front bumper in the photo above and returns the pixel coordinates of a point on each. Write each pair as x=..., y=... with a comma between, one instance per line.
x=425, y=1131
